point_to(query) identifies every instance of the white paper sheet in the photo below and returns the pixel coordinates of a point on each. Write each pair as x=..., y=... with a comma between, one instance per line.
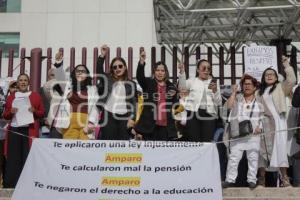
x=23, y=116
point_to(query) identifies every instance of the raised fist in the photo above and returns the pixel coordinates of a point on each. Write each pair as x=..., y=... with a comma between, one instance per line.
x=234, y=89
x=104, y=50
x=142, y=57
x=180, y=67
x=285, y=61
x=58, y=56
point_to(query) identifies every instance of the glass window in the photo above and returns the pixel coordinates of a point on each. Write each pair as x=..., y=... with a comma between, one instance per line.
x=10, y=5
x=10, y=41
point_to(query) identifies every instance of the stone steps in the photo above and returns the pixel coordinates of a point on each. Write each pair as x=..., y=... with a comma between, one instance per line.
x=230, y=194
x=5, y=194
x=259, y=198
x=262, y=194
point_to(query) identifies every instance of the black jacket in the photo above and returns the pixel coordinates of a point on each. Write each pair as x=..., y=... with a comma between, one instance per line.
x=105, y=84
x=296, y=98
x=147, y=123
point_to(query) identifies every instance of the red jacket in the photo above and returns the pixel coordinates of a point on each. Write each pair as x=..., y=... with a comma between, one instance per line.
x=36, y=103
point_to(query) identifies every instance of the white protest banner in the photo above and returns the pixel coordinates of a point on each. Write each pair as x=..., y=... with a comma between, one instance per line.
x=258, y=58
x=93, y=170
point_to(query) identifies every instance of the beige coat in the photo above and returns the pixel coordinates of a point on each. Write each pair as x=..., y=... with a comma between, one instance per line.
x=279, y=95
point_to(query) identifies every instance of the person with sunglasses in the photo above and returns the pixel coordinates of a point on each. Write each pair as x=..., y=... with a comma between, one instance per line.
x=118, y=97
x=160, y=97
x=201, y=103
x=75, y=112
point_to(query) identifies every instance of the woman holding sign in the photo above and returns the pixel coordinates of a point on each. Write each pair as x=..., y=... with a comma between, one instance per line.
x=23, y=108
x=273, y=95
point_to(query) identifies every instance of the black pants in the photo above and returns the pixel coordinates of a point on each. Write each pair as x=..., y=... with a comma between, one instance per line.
x=55, y=134
x=160, y=133
x=17, y=152
x=2, y=159
x=113, y=127
x=200, y=126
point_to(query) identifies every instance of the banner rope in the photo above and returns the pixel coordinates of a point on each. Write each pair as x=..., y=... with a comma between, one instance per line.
x=220, y=142
x=260, y=134
x=17, y=133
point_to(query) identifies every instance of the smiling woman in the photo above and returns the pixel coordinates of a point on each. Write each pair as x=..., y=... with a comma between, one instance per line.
x=18, y=145
x=273, y=97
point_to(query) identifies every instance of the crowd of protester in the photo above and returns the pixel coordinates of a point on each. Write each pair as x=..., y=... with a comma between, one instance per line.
x=250, y=126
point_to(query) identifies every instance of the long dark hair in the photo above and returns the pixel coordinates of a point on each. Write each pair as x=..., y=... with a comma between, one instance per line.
x=198, y=65
x=79, y=86
x=111, y=70
x=264, y=85
x=155, y=66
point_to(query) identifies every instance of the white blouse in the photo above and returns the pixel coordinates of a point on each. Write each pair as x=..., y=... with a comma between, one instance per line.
x=116, y=103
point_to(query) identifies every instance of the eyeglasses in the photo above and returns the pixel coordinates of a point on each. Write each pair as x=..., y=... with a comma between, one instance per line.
x=205, y=68
x=80, y=71
x=120, y=66
x=247, y=84
x=269, y=74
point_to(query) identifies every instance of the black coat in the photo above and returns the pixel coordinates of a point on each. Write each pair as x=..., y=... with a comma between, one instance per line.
x=147, y=123
x=296, y=98
x=296, y=103
x=105, y=84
